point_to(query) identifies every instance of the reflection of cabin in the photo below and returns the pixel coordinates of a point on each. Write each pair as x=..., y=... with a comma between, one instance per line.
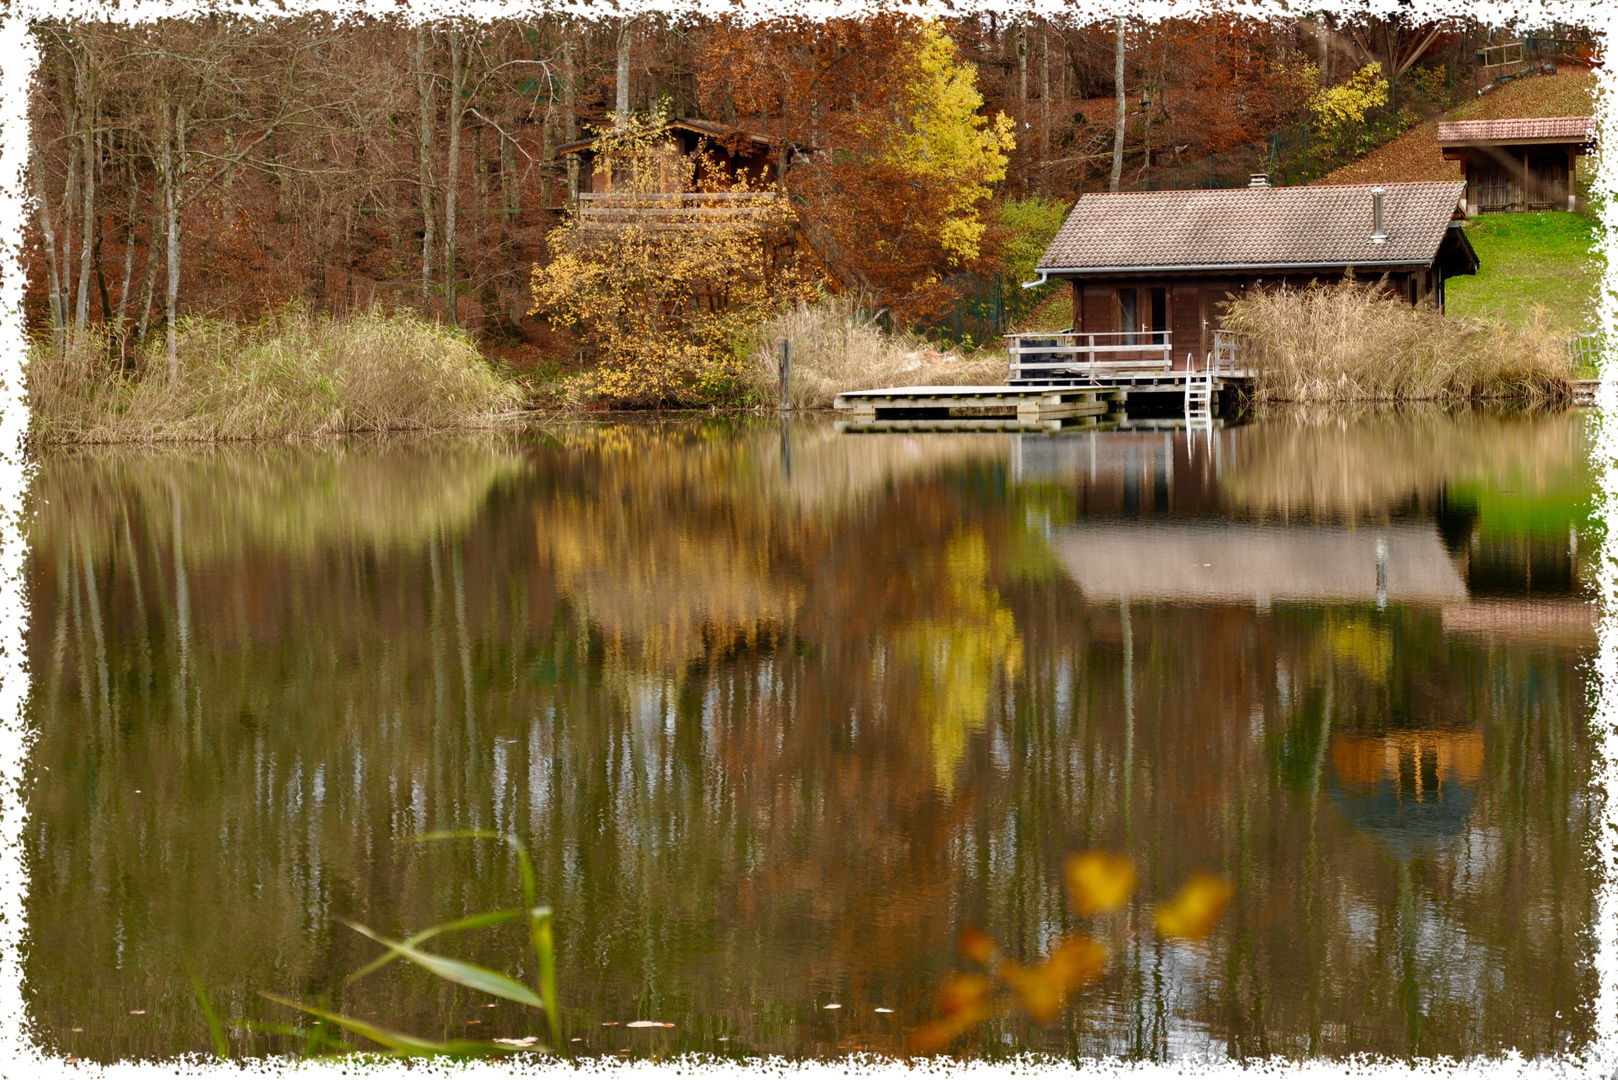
x=1516, y=165
x=1156, y=267
x=699, y=151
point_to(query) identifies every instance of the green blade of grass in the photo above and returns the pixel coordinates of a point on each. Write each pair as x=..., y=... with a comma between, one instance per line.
x=468, y=975
x=396, y=1041
x=221, y=1045
x=471, y=922
x=539, y=931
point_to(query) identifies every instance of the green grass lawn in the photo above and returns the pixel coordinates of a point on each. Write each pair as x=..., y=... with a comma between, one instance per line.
x=1528, y=261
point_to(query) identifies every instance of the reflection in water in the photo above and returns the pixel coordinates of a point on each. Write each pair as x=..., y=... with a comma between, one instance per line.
x=776, y=734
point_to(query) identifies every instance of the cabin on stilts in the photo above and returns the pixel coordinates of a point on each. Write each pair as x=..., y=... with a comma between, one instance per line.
x=1151, y=271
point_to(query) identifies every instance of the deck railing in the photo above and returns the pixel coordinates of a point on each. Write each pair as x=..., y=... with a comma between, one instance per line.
x=1584, y=350
x=1226, y=351
x=1044, y=356
x=660, y=210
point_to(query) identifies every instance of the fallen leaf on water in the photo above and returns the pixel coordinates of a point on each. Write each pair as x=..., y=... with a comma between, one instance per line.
x=976, y=946
x=833, y=1005
x=527, y=1041
x=137, y=1012
x=1043, y=989
x=964, y=1002
x=1195, y=909
x=879, y=1009
x=1099, y=881
x=647, y=1024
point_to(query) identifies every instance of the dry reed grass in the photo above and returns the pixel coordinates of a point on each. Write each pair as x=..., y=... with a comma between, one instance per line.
x=292, y=375
x=834, y=349
x=1352, y=341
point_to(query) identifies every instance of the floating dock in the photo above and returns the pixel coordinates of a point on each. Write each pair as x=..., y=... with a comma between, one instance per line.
x=978, y=408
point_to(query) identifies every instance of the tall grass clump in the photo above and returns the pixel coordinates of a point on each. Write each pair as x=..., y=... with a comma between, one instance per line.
x=293, y=374
x=835, y=349
x=1353, y=341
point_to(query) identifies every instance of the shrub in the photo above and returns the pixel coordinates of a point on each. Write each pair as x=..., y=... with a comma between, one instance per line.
x=1355, y=341
x=293, y=374
x=835, y=349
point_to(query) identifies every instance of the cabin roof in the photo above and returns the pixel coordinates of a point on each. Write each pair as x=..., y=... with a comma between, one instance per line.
x=1555, y=129
x=710, y=128
x=1252, y=229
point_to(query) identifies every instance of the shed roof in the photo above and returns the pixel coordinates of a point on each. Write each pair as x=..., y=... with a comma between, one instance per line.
x=1555, y=129
x=1293, y=228
x=710, y=128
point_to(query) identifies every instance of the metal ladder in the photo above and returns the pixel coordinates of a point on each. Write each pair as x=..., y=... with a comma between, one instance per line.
x=1199, y=391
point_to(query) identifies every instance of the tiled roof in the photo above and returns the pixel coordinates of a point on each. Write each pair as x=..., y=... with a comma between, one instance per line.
x=1271, y=228
x=689, y=123
x=1549, y=129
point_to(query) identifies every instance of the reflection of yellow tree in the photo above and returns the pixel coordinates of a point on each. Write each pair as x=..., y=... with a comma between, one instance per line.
x=957, y=657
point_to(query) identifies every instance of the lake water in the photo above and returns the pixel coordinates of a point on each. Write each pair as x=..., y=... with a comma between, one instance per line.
x=779, y=713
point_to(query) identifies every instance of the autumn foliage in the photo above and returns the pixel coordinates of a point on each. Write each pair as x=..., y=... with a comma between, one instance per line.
x=1099, y=883
x=894, y=157
x=666, y=294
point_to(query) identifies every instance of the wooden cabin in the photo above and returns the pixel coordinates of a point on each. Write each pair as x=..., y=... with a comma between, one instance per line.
x=1517, y=165
x=734, y=152
x=1151, y=271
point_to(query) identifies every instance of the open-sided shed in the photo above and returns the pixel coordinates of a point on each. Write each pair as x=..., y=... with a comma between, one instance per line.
x=1516, y=165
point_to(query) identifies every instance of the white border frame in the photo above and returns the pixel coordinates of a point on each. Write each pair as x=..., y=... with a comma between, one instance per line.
x=19, y=1056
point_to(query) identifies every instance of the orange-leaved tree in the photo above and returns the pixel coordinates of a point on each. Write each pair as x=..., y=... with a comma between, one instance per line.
x=881, y=141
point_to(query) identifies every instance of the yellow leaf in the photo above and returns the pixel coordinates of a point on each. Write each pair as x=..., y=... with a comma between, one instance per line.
x=1195, y=909
x=1099, y=881
x=976, y=946
x=964, y=1002
x=1044, y=989
x=964, y=993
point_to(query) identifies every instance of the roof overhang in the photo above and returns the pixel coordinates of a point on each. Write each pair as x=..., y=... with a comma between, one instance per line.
x=1227, y=268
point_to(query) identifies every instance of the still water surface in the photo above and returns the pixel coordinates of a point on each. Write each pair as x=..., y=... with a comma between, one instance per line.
x=780, y=713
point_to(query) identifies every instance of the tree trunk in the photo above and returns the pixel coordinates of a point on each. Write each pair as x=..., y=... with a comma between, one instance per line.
x=173, y=160
x=81, y=307
x=1044, y=94
x=48, y=235
x=143, y=322
x=453, y=181
x=620, y=118
x=1118, y=122
x=424, y=87
x=129, y=250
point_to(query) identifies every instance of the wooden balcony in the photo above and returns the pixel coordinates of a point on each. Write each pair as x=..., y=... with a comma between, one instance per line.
x=674, y=211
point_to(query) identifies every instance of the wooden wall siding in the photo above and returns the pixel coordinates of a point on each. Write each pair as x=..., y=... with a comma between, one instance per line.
x=1537, y=178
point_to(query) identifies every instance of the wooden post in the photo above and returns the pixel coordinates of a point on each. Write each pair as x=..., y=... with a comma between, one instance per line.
x=786, y=375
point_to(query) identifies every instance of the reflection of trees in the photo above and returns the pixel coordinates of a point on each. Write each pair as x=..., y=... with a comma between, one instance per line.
x=786, y=772
x=1303, y=466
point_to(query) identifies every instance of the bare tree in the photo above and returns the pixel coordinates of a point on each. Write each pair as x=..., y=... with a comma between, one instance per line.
x=1120, y=113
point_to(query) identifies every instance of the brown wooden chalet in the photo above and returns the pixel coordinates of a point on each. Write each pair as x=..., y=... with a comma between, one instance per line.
x=734, y=152
x=1155, y=268
x=1516, y=165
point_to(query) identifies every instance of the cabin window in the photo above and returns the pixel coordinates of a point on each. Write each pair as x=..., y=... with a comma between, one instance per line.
x=1160, y=314
x=1128, y=316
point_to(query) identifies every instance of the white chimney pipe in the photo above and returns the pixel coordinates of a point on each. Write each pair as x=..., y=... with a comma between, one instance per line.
x=1379, y=231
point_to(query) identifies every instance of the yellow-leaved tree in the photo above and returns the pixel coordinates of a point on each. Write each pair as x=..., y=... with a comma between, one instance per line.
x=664, y=280
x=1337, y=113
x=944, y=145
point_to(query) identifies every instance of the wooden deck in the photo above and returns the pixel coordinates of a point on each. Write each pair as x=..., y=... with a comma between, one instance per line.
x=1056, y=381
x=974, y=408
